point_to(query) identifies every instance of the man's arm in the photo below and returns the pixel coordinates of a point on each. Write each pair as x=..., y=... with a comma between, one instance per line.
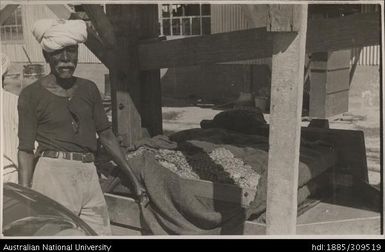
x=26, y=160
x=111, y=144
x=27, y=133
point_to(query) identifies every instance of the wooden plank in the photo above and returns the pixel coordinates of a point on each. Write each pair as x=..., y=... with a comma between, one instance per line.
x=285, y=124
x=282, y=18
x=317, y=93
x=126, y=120
x=125, y=88
x=6, y=12
x=256, y=14
x=94, y=44
x=329, y=85
x=337, y=81
x=122, y=230
x=331, y=60
x=356, y=226
x=339, y=59
x=107, y=86
x=344, y=32
x=342, y=206
x=336, y=33
x=354, y=66
x=349, y=146
x=364, y=226
x=123, y=210
x=101, y=23
x=368, y=193
x=151, y=98
x=221, y=47
x=125, y=83
x=337, y=103
x=325, y=82
x=340, y=214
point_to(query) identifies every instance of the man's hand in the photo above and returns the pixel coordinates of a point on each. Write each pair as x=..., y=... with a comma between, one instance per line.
x=111, y=145
x=142, y=197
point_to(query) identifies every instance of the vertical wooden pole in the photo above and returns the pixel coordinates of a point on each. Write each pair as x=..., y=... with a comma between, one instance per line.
x=132, y=23
x=329, y=83
x=285, y=122
x=151, y=95
x=124, y=75
x=151, y=100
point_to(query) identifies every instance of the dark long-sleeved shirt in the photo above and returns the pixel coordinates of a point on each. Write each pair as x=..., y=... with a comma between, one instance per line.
x=58, y=123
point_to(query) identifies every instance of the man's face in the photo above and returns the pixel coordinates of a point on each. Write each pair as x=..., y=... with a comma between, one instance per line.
x=63, y=62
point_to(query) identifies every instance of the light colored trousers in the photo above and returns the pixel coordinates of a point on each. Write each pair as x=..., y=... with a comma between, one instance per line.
x=76, y=186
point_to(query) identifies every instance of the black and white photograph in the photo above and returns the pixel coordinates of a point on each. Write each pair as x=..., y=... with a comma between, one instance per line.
x=191, y=119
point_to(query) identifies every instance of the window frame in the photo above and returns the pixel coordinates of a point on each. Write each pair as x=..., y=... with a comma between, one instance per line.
x=11, y=37
x=181, y=19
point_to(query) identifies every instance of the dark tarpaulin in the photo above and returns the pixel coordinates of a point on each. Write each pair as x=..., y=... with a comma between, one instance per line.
x=175, y=209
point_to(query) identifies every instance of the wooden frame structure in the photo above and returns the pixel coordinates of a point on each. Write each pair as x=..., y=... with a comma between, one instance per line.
x=349, y=174
x=125, y=39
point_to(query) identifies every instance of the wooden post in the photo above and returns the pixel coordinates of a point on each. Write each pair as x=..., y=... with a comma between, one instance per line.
x=101, y=23
x=256, y=14
x=151, y=100
x=285, y=118
x=124, y=76
x=354, y=65
x=151, y=95
x=329, y=83
x=133, y=23
x=107, y=86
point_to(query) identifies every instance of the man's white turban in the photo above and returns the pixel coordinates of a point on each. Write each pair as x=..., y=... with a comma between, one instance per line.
x=55, y=34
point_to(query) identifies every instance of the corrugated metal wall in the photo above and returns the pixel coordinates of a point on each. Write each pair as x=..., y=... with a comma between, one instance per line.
x=225, y=18
x=230, y=17
x=369, y=55
x=30, y=14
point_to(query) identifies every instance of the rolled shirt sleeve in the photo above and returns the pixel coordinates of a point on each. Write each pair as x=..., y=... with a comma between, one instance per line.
x=99, y=114
x=27, y=122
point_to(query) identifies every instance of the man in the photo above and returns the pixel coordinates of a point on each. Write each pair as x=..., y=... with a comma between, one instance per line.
x=9, y=108
x=63, y=113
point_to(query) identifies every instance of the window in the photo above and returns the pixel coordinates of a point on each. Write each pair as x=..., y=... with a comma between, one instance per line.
x=12, y=29
x=185, y=19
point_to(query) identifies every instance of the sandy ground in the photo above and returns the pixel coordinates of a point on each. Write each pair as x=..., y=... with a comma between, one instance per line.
x=190, y=117
x=363, y=114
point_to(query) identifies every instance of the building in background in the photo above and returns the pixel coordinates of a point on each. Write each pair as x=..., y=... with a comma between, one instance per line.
x=175, y=21
x=181, y=20
x=16, y=34
x=211, y=83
